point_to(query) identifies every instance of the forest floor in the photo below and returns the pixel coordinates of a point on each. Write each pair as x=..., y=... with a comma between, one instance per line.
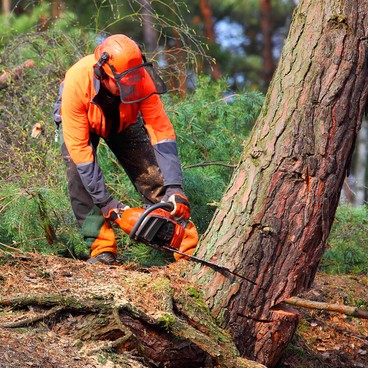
x=324, y=339
x=332, y=340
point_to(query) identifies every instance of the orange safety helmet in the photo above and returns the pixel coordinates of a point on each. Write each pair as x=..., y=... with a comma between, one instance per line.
x=121, y=59
x=123, y=53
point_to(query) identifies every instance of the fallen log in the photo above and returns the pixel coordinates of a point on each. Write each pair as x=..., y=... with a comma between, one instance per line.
x=159, y=315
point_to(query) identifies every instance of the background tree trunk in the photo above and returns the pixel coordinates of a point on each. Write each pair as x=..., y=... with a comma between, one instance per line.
x=274, y=219
x=360, y=171
x=150, y=35
x=209, y=32
x=57, y=7
x=6, y=7
x=176, y=59
x=267, y=52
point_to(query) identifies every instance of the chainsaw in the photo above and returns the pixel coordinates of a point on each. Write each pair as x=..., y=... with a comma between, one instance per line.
x=157, y=228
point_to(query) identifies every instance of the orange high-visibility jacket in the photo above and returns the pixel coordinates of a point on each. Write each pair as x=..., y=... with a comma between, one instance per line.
x=78, y=110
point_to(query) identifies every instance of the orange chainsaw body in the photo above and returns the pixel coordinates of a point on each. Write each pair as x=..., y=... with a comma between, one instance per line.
x=156, y=227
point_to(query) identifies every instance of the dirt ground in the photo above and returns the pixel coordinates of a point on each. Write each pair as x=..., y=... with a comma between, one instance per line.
x=332, y=340
x=324, y=339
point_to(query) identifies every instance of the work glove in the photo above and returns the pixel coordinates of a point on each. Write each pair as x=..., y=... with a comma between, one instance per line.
x=177, y=198
x=129, y=218
x=113, y=209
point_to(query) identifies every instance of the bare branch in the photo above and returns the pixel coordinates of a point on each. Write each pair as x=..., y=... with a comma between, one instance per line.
x=340, y=308
x=15, y=73
x=201, y=164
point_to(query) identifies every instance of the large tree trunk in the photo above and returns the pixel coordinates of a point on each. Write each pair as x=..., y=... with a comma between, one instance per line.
x=274, y=219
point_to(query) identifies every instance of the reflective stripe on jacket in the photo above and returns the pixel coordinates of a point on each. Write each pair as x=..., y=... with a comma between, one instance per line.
x=82, y=114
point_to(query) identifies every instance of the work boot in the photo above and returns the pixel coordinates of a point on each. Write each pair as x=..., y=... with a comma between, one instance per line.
x=104, y=257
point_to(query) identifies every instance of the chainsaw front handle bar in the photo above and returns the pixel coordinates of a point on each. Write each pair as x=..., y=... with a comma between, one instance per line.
x=163, y=205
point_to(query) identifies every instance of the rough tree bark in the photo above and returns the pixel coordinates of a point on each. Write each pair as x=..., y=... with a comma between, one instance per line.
x=176, y=60
x=274, y=219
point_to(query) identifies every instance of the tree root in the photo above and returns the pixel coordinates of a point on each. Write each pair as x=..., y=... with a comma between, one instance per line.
x=29, y=321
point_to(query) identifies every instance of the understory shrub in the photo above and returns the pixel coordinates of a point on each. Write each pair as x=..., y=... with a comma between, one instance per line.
x=348, y=242
x=211, y=124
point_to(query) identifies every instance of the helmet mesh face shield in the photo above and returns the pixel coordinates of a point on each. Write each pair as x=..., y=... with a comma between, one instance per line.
x=138, y=83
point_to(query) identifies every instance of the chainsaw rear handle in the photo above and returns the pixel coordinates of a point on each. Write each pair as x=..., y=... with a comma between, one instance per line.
x=163, y=205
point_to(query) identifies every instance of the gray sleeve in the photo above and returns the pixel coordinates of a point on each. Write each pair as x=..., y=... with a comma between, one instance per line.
x=94, y=182
x=167, y=157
